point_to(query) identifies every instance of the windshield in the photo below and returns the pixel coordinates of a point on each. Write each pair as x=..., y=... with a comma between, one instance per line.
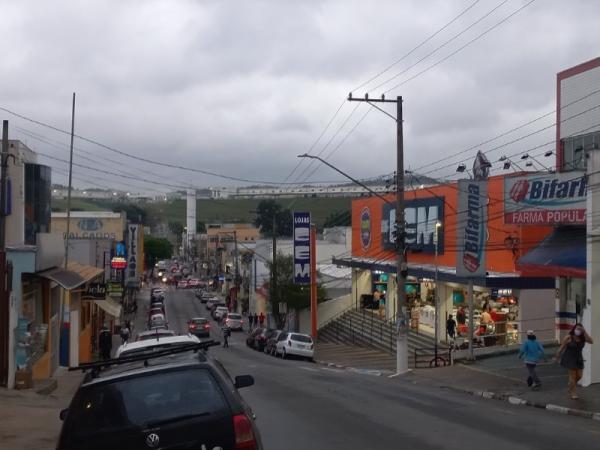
x=145, y=401
x=199, y=321
x=300, y=338
x=234, y=316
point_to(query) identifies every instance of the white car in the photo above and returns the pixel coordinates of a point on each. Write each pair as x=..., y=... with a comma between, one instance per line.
x=135, y=348
x=219, y=312
x=295, y=344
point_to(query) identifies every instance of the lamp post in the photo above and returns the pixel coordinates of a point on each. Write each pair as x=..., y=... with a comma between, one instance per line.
x=438, y=225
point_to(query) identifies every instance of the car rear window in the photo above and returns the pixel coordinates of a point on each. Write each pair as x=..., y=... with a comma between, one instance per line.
x=234, y=316
x=300, y=338
x=200, y=321
x=145, y=401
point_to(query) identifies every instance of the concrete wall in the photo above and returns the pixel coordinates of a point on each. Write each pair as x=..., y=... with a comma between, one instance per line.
x=536, y=312
x=325, y=312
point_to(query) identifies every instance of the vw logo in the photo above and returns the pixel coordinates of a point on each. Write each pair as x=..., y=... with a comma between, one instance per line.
x=152, y=440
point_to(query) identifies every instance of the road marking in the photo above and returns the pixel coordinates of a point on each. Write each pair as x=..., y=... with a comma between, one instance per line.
x=333, y=370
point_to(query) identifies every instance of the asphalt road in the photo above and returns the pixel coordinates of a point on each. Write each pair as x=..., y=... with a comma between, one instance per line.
x=301, y=405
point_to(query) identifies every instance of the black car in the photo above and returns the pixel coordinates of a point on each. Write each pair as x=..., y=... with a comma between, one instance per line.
x=258, y=338
x=272, y=342
x=199, y=326
x=176, y=398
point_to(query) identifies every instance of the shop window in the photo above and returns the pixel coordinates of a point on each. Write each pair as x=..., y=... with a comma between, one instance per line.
x=32, y=333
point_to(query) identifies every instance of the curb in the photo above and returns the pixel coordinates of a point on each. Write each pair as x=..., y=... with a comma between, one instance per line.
x=523, y=402
x=371, y=372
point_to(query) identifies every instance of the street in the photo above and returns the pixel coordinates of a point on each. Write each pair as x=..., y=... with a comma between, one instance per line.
x=302, y=405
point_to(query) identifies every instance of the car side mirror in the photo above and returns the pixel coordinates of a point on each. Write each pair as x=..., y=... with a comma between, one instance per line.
x=63, y=414
x=242, y=381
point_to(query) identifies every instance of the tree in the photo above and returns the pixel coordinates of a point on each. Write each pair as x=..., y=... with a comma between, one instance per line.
x=338, y=219
x=200, y=227
x=296, y=296
x=134, y=213
x=156, y=249
x=266, y=210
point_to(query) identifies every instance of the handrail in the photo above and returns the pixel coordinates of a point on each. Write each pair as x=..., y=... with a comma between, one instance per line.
x=338, y=315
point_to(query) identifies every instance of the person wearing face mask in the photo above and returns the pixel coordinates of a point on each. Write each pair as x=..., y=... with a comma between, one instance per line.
x=570, y=355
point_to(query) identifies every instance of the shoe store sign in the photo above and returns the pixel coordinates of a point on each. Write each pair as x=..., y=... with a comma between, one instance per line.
x=545, y=199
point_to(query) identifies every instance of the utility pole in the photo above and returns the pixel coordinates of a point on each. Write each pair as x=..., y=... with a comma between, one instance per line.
x=237, y=267
x=70, y=184
x=4, y=294
x=401, y=267
x=3, y=178
x=274, y=265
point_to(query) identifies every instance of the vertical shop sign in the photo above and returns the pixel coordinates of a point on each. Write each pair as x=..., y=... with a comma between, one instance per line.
x=471, y=233
x=301, y=247
x=132, y=253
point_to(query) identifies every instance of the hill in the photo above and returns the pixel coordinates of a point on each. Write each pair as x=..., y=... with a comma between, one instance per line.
x=218, y=211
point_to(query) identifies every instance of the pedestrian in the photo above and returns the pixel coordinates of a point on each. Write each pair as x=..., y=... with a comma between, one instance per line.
x=256, y=319
x=251, y=320
x=531, y=352
x=105, y=343
x=261, y=319
x=570, y=355
x=226, y=333
x=451, y=327
x=124, y=333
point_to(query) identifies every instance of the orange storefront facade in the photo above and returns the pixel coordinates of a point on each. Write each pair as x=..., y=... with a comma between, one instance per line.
x=516, y=302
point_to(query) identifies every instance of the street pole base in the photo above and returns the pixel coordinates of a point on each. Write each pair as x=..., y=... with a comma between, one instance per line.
x=398, y=374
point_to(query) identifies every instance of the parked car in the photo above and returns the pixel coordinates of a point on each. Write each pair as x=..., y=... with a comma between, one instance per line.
x=155, y=312
x=149, y=345
x=252, y=336
x=295, y=344
x=213, y=302
x=182, y=284
x=219, y=311
x=199, y=326
x=233, y=321
x=157, y=321
x=154, y=334
x=272, y=342
x=164, y=401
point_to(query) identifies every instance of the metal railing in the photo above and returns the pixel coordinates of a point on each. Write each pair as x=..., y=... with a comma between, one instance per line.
x=365, y=329
x=429, y=358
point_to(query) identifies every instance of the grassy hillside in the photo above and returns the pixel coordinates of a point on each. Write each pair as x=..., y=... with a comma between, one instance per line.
x=216, y=211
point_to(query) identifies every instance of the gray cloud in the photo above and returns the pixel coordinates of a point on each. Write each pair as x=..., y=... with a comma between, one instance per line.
x=241, y=88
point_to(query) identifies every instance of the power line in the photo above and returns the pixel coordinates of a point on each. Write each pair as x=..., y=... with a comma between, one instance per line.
x=410, y=52
x=456, y=36
x=479, y=36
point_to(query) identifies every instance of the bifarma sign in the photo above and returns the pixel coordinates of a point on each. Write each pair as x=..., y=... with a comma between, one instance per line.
x=545, y=199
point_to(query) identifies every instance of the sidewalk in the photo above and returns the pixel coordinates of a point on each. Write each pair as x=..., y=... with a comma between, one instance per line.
x=496, y=377
x=30, y=420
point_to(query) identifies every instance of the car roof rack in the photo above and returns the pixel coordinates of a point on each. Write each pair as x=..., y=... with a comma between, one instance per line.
x=97, y=366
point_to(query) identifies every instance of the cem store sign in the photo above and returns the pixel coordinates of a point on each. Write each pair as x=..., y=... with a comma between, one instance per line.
x=420, y=216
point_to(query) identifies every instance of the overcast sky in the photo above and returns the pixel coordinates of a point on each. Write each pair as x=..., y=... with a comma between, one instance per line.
x=242, y=87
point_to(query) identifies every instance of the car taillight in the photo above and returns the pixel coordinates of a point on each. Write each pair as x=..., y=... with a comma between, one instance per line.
x=244, y=436
x=192, y=326
x=206, y=327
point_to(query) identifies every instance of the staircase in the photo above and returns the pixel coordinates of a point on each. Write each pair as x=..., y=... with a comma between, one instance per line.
x=365, y=329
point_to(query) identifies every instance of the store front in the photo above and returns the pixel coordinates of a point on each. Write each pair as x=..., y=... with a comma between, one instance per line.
x=506, y=304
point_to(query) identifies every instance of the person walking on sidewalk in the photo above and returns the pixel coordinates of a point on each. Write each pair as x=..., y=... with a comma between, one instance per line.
x=256, y=320
x=105, y=342
x=451, y=327
x=124, y=333
x=251, y=321
x=226, y=334
x=261, y=319
x=532, y=351
x=570, y=355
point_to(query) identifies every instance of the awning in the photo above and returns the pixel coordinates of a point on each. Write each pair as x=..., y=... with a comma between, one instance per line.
x=75, y=275
x=110, y=306
x=561, y=254
x=500, y=280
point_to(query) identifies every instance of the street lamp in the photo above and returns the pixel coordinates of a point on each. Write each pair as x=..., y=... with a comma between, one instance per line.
x=438, y=225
